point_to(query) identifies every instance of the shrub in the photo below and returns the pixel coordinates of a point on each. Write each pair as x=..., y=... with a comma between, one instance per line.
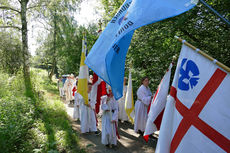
x=3, y=84
x=15, y=120
x=34, y=125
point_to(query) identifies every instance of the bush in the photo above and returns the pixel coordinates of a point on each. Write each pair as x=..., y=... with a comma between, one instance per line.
x=3, y=84
x=16, y=113
x=33, y=125
x=15, y=121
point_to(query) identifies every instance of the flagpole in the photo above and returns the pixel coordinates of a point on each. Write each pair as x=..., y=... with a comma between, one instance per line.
x=203, y=54
x=214, y=11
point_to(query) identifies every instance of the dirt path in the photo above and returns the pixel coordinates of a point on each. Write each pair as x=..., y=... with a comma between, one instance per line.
x=130, y=142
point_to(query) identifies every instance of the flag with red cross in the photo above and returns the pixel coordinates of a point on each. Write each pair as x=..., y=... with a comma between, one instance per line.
x=197, y=113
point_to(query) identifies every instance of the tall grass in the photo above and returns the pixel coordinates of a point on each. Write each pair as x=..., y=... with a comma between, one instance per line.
x=29, y=126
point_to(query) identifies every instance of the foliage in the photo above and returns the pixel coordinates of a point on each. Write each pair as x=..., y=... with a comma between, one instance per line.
x=4, y=84
x=10, y=52
x=153, y=46
x=26, y=127
x=16, y=119
x=17, y=112
x=69, y=40
x=110, y=7
x=58, y=16
x=39, y=123
x=69, y=56
x=17, y=18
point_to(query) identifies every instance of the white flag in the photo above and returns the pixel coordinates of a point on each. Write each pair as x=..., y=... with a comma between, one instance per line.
x=157, y=105
x=129, y=104
x=196, y=117
x=83, y=73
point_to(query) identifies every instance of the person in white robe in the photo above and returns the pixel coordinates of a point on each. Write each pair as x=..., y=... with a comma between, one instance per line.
x=60, y=87
x=68, y=86
x=109, y=120
x=67, y=89
x=144, y=97
x=101, y=111
x=122, y=115
x=87, y=113
x=77, y=109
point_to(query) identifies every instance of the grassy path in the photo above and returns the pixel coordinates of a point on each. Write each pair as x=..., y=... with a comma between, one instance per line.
x=34, y=125
x=56, y=123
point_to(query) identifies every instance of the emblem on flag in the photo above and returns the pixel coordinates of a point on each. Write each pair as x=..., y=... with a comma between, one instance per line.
x=123, y=18
x=189, y=73
x=200, y=117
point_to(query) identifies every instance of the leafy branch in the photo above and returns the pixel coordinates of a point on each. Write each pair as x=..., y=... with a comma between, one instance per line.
x=10, y=8
x=15, y=27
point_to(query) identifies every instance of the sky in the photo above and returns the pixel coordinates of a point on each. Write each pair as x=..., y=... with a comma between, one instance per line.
x=89, y=13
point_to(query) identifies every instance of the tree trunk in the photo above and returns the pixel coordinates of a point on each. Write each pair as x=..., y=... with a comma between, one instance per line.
x=54, y=46
x=25, y=50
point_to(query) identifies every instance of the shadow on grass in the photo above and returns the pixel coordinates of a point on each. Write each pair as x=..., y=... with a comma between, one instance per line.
x=61, y=137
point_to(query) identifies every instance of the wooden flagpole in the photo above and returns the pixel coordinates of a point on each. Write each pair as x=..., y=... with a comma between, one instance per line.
x=204, y=54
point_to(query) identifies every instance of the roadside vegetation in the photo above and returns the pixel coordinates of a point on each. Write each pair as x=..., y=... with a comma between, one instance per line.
x=38, y=125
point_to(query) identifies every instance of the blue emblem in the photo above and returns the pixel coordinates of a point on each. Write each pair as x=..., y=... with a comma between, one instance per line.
x=123, y=18
x=120, y=20
x=189, y=73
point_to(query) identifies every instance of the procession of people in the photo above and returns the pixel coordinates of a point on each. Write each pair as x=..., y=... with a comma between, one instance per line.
x=110, y=110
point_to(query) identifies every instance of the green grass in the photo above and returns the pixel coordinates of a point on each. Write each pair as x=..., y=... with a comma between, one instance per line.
x=26, y=127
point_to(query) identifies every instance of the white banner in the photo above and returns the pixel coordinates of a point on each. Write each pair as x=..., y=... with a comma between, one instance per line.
x=196, y=117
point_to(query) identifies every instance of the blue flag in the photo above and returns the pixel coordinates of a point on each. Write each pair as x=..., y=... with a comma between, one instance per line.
x=107, y=56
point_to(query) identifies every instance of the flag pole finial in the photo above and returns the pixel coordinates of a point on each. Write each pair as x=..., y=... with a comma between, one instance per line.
x=100, y=24
x=204, y=54
x=84, y=33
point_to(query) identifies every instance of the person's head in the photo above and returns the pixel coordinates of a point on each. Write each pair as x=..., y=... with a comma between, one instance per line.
x=110, y=92
x=145, y=81
x=91, y=78
x=89, y=87
x=72, y=76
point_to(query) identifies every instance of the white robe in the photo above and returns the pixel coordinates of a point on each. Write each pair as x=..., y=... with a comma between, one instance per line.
x=61, y=90
x=122, y=115
x=108, y=135
x=141, y=106
x=77, y=109
x=87, y=116
x=68, y=86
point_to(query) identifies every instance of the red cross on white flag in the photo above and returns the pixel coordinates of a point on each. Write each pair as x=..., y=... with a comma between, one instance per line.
x=196, y=117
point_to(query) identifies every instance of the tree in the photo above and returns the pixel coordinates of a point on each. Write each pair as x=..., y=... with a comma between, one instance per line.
x=153, y=46
x=10, y=52
x=69, y=46
x=22, y=12
x=54, y=15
